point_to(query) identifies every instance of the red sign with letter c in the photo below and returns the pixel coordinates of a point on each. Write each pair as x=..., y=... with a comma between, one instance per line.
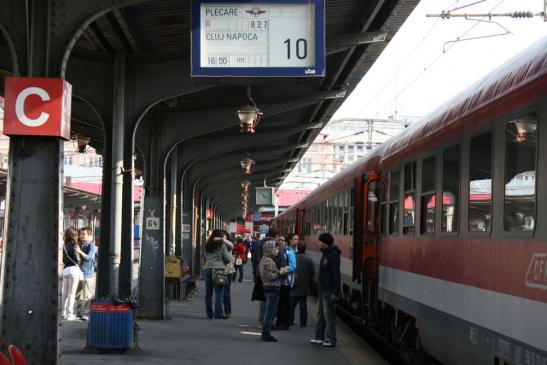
x=37, y=107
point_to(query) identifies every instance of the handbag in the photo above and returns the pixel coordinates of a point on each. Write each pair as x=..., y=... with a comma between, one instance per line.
x=239, y=261
x=219, y=276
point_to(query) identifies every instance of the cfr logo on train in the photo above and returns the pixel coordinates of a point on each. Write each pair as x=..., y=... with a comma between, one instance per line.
x=37, y=107
x=536, y=276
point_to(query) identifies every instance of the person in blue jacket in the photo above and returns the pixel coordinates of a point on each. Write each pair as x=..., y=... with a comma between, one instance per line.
x=86, y=288
x=285, y=259
x=328, y=292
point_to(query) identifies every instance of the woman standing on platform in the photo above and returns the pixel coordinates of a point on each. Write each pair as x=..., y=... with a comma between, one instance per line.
x=271, y=285
x=214, y=273
x=71, y=274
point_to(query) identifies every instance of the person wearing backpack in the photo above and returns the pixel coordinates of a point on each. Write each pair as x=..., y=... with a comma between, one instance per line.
x=86, y=287
x=240, y=255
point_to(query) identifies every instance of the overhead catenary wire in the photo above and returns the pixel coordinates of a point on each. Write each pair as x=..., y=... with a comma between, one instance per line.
x=394, y=74
x=428, y=67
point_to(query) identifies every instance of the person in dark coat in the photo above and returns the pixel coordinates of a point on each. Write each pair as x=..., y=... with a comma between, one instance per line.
x=328, y=291
x=303, y=281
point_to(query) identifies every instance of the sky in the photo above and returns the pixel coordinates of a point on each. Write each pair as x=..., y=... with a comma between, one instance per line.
x=413, y=75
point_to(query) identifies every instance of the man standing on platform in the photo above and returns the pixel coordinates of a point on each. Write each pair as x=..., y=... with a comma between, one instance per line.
x=86, y=287
x=328, y=292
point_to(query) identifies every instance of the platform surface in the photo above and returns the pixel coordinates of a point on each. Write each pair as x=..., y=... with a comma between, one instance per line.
x=189, y=337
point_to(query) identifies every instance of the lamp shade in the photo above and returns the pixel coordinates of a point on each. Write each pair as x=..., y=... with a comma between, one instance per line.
x=245, y=185
x=246, y=164
x=249, y=116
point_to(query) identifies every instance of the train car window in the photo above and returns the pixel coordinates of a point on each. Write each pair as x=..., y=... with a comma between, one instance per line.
x=322, y=214
x=451, y=189
x=346, y=213
x=372, y=221
x=520, y=174
x=427, y=201
x=394, y=186
x=315, y=220
x=480, y=183
x=332, y=228
x=409, y=203
x=341, y=213
x=351, y=210
x=335, y=214
x=383, y=208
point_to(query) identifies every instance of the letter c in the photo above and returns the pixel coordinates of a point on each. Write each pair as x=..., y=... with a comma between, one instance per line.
x=20, y=106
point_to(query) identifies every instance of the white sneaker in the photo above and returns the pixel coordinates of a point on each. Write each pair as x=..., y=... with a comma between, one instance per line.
x=317, y=342
x=84, y=318
x=327, y=343
x=71, y=318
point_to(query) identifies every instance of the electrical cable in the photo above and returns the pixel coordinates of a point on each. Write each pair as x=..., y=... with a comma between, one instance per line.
x=433, y=63
x=403, y=63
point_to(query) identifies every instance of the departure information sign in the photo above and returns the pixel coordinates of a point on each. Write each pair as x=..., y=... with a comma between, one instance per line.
x=270, y=38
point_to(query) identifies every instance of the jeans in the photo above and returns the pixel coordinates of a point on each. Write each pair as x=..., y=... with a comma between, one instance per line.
x=326, y=318
x=240, y=269
x=303, y=309
x=219, y=295
x=271, y=307
x=284, y=307
x=261, y=310
x=227, y=297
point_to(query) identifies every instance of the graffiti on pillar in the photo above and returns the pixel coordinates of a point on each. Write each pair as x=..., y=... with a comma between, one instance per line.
x=152, y=243
x=152, y=222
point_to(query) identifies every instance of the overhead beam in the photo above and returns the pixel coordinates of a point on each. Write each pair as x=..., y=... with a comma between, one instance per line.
x=346, y=41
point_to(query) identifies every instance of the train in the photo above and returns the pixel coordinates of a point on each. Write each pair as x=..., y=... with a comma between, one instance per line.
x=443, y=228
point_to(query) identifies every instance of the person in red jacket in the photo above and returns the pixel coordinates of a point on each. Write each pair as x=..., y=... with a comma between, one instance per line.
x=240, y=258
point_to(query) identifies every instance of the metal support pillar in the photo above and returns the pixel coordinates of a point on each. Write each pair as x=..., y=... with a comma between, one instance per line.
x=151, y=275
x=126, y=284
x=31, y=274
x=32, y=265
x=187, y=222
x=178, y=222
x=103, y=271
x=173, y=204
x=116, y=195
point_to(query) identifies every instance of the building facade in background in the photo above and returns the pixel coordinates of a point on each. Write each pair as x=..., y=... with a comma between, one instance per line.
x=340, y=144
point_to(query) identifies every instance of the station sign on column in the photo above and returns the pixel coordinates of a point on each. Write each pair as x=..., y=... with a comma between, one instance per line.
x=260, y=38
x=37, y=107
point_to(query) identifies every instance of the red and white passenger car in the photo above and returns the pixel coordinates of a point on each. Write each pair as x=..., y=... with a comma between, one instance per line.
x=443, y=229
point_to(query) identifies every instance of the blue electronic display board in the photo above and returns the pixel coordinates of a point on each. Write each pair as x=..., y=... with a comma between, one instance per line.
x=260, y=38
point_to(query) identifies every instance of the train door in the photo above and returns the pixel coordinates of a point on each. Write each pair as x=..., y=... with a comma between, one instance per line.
x=371, y=199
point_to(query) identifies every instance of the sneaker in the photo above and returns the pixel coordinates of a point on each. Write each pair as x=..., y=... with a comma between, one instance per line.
x=316, y=341
x=84, y=318
x=71, y=318
x=327, y=343
x=268, y=338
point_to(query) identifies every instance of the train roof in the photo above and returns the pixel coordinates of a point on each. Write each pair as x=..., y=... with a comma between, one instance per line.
x=438, y=126
x=367, y=163
x=524, y=68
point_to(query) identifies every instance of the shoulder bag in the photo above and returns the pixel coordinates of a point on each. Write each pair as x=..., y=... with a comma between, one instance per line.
x=219, y=276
